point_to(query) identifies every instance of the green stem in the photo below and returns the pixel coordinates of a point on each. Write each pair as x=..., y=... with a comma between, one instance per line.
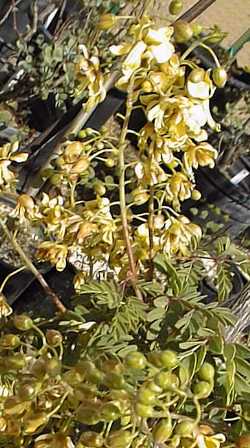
x=28, y=263
x=9, y=276
x=238, y=44
x=122, y=193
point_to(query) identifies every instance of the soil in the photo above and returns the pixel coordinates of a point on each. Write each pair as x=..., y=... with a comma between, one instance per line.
x=232, y=16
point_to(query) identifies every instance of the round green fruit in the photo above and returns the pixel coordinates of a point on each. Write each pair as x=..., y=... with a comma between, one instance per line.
x=119, y=439
x=91, y=439
x=182, y=31
x=143, y=410
x=206, y=372
x=168, y=359
x=175, y=7
x=146, y=396
x=23, y=322
x=166, y=380
x=110, y=412
x=219, y=76
x=136, y=360
x=185, y=428
x=202, y=389
x=162, y=431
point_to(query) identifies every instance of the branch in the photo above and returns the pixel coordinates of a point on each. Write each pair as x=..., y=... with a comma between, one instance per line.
x=196, y=10
x=28, y=263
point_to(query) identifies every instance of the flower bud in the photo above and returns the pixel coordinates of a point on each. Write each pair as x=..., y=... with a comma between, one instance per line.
x=197, y=29
x=23, y=322
x=175, y=7
x=182, y=31
x=219, y=76
x=26, y=201
x=197, y=75
x=9, y=341
x=54, y=338
x=196, y=195
x=107, y=21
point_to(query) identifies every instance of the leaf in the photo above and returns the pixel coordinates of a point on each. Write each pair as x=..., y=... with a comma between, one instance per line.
x=156, y=314
x=187, y=369
x=216, y=345
x=241, y=385
x=223, y=282
x=243, y=367
x=104, y=293
x=201, y=355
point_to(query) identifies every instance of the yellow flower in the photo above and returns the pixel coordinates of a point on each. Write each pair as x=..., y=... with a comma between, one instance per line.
x=158, y=43
x=178, y=235
x=25, y=208
x=213, y=441
x=203, y=89
x=179, y=187
x=150, y=172
x=88, y=73
x=5, y=308
x=202, y=154
x=55, y=253
x=8, y=154
x=148, y=45
x=150, y=142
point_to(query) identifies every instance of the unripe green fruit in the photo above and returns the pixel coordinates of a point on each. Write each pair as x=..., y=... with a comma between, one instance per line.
x=114, y=381
x=168, y=359
x=197, y=29
x=202, y=389
x=53, y=367
x=219, y=76
x=146, y=396
x=185, y=428
x=155, y=359
x=206, y=372
x=175, y=7
x=182, y=31
x=54, y=338
x=110, y=163
x=119, y=439
x=162, y=431
x=153, y=387
x=87, y=415
x=23, y=322
x=34, y=421
x=166, y=380
x=9, y=341
x=196, y=195
x=91, y=439
x=26, y=391
x=110, y=412
x=135, y=360
x=15, y=362
x=143, y=410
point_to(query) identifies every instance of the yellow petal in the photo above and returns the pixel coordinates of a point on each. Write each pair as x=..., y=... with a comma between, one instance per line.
x=163, y=52
x=120, y=50
x=198, y=89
